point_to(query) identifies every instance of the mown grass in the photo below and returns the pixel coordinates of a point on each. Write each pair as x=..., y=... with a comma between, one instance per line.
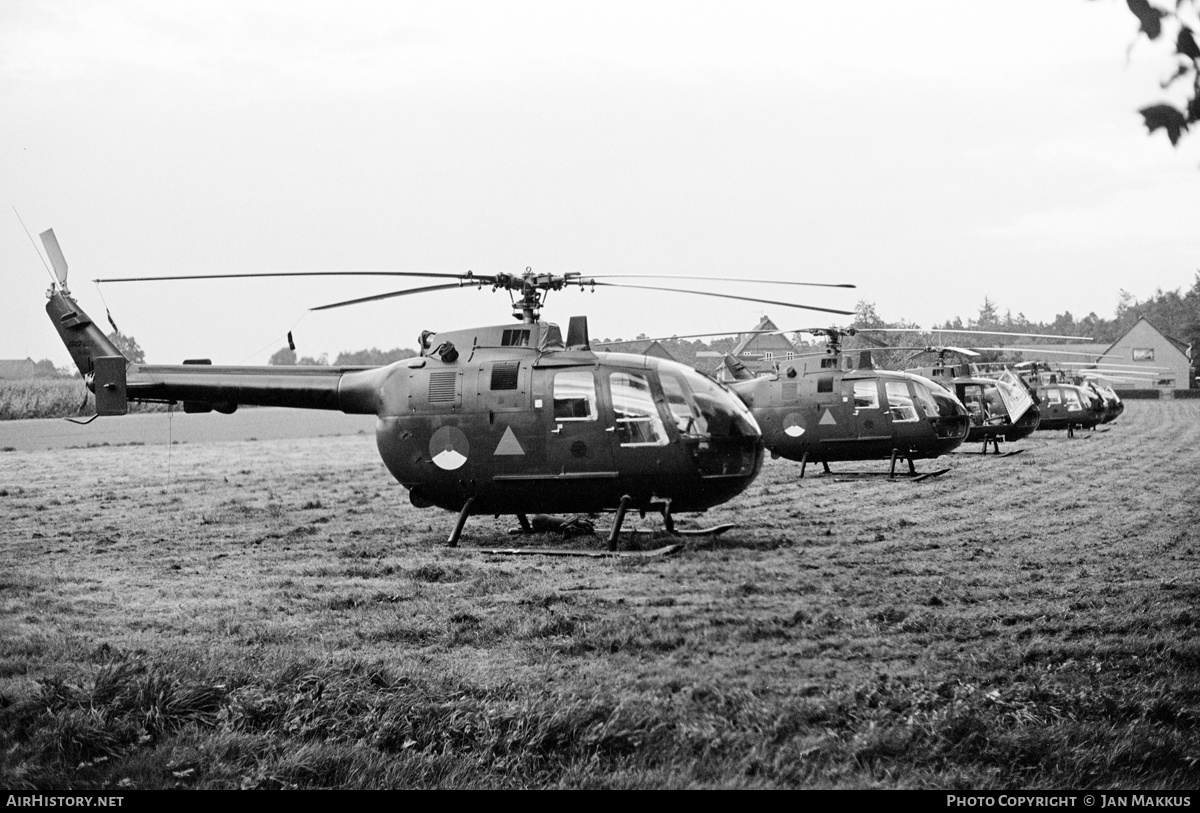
x=52, y=398
x=283, y=623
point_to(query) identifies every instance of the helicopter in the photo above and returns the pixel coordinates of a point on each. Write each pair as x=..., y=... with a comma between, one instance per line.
x=1072, y=395
x=812, y=410
x=507, y=419
x=1001, y=408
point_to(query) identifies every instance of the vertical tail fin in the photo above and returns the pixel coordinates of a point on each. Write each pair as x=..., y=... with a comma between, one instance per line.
x=98, y=359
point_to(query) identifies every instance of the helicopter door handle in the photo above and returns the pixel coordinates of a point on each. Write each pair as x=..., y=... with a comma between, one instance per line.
x=611, y=429
x=557, y=430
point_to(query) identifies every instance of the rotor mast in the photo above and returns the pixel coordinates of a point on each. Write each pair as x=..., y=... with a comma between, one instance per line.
x=533, y=289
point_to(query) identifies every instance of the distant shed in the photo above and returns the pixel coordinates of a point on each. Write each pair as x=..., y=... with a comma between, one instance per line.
x=16, y=369
x=1167, y=359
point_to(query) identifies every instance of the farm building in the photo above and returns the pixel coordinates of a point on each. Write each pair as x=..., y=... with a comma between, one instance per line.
x=11, y=369
x=1169, y=359
x=760, y=352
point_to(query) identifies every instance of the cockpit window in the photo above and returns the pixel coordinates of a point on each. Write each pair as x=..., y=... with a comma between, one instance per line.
x=935, y=401
x=574, y=396
x=637, y=418
x=900, y=402
x=720, y=412
x=684, y=410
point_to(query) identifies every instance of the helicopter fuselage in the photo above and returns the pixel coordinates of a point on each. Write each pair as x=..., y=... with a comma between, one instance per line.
x=812, y=411
x=1067, y=406
x=524, y=428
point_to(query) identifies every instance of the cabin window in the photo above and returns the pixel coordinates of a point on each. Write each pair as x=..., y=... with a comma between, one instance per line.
x=574, y=396
x=637, y=418
x=1053, y=395
x=828, y=362
x=866, y=395
x=1071, y=399
x=900, y=402
x=515, y=337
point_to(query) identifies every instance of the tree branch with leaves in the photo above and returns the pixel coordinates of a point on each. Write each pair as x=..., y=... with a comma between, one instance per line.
x=1161, y=24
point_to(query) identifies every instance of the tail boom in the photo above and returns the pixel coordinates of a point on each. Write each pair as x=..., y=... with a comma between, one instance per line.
x=204, y=386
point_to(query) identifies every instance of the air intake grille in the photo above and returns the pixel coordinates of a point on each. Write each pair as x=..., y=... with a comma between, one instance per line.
x=504, y=375
x=442, y=386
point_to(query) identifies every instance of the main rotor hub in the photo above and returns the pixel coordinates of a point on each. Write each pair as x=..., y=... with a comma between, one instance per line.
x=533, y=289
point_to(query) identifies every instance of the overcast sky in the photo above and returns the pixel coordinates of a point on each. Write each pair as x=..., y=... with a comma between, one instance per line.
x=932, y=153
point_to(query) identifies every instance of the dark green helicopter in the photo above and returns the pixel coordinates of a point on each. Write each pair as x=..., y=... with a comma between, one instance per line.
x=813, y=410
x=506, y=419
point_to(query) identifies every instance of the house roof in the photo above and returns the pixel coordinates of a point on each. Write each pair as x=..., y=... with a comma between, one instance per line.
x=1182, y=346
x=770, y=341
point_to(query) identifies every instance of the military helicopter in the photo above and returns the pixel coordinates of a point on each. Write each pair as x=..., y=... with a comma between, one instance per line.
x=810, y=409
x=1071, y=395
x=490, y=420
x=1001, y=408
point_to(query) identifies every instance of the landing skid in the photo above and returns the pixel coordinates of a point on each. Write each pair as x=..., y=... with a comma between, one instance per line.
x=891, y=473
x=851, y=476
x=575, y=526
x=715, y=530
x=666, y=550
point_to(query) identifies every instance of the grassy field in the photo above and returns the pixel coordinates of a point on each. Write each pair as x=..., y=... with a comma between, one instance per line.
x=52, y=398
x=278, y=615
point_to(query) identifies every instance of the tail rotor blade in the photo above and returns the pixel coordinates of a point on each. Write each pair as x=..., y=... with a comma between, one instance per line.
x=56, y=256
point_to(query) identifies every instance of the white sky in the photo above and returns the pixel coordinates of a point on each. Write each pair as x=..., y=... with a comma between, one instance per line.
x=933, y=153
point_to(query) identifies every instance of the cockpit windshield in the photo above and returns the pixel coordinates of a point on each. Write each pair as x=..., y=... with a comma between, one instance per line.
x=703, y=408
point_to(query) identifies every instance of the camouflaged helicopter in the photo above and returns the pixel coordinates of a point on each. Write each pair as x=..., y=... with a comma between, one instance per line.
x=1071, y=395
x=812, y=410
x=506, y=419
x=1002, y=408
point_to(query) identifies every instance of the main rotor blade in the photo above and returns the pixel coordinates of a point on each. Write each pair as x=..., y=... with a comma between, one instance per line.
x=721, y=279
x=56, y=256
x=721, y=296
x=688, y=336
x=978, y=332
x=1110, y=366
x=406, y=292
x=467, y=277
x=1047, y=349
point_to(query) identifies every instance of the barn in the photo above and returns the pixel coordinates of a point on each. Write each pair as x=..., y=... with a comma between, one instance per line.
x=1167, y=358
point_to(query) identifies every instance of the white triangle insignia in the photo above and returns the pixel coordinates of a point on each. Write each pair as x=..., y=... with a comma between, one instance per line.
x=827, y=419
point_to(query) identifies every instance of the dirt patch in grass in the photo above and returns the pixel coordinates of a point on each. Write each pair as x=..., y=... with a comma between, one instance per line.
x=276, y=614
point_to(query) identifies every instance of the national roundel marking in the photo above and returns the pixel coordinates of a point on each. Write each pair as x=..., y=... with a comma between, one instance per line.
x=792, y=425
x=449, y=448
